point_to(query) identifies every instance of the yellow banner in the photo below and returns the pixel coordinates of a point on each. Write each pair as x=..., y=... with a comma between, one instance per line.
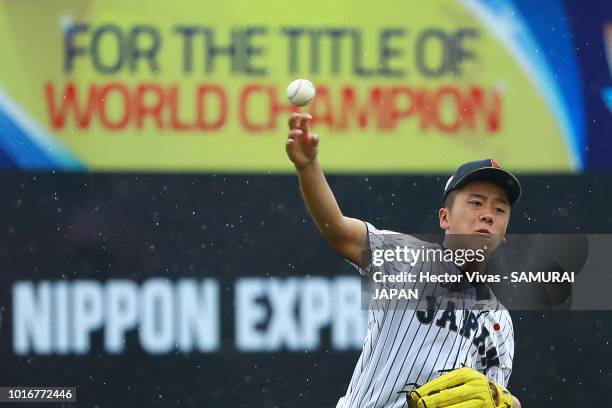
x=200, y=86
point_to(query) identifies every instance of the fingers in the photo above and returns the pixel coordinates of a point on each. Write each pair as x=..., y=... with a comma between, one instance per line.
x=295, y=133
x=300, y=121
x=314, y=140
x=294, y=120
x=289, y=145
x=305, y=123
x=296, y=136
x=299, y=132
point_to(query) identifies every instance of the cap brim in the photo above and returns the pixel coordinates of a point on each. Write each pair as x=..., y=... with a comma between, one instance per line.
x=495, y=175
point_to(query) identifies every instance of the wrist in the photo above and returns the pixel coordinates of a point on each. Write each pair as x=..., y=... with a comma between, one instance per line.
x=306, y=166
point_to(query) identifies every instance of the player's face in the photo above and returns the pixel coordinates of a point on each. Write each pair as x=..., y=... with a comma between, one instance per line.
x=480, y=209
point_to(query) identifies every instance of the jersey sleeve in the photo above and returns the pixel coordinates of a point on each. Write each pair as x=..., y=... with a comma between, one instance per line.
x=375, y=241
x=506, y=356
x=505, y=349
x=380, y=240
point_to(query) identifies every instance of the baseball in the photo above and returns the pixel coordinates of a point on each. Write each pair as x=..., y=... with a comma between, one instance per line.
x=301, y=92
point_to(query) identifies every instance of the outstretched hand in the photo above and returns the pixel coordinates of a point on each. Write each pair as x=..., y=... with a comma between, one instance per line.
x=301, y=145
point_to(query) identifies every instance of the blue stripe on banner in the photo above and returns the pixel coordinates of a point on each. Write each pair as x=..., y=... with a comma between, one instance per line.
x=20, y=148
x=548, y=22
x=606, y=95
x=26, y=145
x=506, y=20
x=6, y=161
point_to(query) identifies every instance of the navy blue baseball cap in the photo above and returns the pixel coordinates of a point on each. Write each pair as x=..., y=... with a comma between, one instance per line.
x=488, y=170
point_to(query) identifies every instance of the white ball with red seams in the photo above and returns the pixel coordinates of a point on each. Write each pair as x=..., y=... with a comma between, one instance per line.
x=301, y=92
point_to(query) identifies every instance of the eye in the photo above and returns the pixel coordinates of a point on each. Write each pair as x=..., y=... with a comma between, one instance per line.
x=476, y=203
x=500, y=210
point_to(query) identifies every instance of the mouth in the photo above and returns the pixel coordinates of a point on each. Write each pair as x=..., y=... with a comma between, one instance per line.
x=483, y=231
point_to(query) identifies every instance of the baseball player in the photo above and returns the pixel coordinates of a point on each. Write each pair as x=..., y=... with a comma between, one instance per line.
x=443, y=354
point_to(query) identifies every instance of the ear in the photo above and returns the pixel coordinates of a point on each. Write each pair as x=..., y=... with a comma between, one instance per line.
x=443, y=214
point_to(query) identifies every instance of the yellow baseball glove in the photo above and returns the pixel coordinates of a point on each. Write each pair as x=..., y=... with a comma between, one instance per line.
x=460, y=388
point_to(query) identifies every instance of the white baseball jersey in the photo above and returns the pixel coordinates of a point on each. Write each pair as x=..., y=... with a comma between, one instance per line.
x=407, y=344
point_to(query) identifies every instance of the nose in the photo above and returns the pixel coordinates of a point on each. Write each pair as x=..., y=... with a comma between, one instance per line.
x=486, y=218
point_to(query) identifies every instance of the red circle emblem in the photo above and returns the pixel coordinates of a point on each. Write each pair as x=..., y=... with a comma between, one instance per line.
x=496, y=327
